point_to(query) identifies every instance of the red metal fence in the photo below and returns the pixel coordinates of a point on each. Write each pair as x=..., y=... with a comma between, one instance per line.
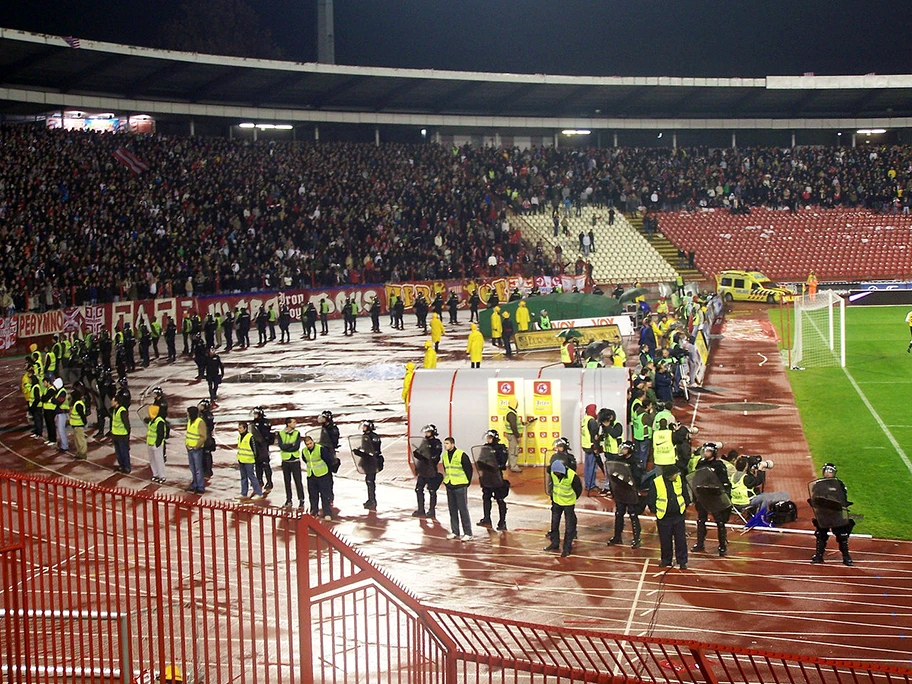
x=103, y=585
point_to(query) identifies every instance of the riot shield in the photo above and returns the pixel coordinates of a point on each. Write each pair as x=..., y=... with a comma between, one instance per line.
x=357, y=442
x=415, y=444
x=620, y=481
x=828, y=499
x=708, y=490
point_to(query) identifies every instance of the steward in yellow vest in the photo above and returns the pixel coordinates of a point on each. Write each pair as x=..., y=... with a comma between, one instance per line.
x=668, y=499
x=319, y=477
x=120, y=434
x=246, y=459
x=564, y=487
x=290, y=451
x=457, y=474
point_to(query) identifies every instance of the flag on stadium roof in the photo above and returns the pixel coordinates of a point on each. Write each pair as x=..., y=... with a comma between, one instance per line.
x=72, y=42
x=130, y=160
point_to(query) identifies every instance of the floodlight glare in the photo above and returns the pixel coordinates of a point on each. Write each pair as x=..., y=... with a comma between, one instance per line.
x=871, y=131
x=576, y=131
x=246, y=125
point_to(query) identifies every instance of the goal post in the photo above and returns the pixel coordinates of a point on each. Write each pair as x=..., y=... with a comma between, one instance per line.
x=818, y=331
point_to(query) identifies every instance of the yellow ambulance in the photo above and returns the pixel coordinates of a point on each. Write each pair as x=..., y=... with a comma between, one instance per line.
x=750, y=286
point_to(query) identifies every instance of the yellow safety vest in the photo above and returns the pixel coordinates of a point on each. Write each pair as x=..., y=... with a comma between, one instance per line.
x=585, y=437
x=75, y=419
x=245, y=448
x=48, y=401
x=193, y=433
x=662, y=495
x=118, y=426
x=562, y=490
x=520, y=426
x=610, y=444
x=565, y=354
x=152, y=431
x=663, y=451
x=51, y=361
x=287, y=438
x=640, y=430
x=65, y=404
x=316, y=466
x=740, y=494
x=454, y=474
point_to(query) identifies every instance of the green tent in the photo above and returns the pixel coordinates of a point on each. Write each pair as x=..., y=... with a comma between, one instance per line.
x=568, y=305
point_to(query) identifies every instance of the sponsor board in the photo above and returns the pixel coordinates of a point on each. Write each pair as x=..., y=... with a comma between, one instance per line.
x=624, y=323
x=548, y=339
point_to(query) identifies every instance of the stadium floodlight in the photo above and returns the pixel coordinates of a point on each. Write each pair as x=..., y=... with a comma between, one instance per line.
x=247, y=125
x=871, y=131
x=576, y=131
x=819, y=331
x=284, y=127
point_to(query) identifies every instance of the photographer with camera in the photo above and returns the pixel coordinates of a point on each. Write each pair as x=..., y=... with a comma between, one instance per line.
x=749, y=477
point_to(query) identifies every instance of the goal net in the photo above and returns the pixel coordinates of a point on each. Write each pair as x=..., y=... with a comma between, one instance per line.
x=818, y=326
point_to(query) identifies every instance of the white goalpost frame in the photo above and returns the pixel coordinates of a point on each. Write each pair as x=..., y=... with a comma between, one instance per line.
x=823, y=337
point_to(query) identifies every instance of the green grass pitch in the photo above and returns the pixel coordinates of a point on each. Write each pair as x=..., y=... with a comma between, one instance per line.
x=840, y=428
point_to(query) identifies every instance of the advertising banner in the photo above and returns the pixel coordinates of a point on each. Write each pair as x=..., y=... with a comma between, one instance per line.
x=624, y=323
x=33, y=325
x=536, y=340
x=362, y=295
x=500, y=392
x=543, y=415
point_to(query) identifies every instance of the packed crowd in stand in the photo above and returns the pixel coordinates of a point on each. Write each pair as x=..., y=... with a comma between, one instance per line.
x=219, y=215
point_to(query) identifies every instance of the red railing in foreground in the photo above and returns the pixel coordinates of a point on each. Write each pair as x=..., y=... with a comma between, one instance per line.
x=105, y=585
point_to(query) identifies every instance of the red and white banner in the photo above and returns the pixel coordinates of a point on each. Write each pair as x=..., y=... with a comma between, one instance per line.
x=130, y=160
x=9, y=329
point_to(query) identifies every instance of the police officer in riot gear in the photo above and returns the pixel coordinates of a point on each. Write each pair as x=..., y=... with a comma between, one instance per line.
x=830, y=502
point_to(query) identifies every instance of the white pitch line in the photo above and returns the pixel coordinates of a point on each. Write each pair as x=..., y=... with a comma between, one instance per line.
x=636, y=597
x=880, y=422
x=762, y=357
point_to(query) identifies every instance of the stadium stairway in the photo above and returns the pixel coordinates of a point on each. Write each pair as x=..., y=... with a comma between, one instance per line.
x=621, y=255
x=665, y=247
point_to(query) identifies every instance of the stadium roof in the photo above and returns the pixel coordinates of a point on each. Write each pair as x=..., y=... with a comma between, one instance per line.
x=40, y=73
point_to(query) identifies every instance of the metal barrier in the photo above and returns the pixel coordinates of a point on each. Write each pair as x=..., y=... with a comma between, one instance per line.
x=107, y=585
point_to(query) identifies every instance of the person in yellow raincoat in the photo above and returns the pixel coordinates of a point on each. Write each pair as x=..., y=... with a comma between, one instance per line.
x=496, y=327
x=437, y=331
x=407, y=382
x=522, y=317
x=475, y=346
x=618, y=355
x=430, y=355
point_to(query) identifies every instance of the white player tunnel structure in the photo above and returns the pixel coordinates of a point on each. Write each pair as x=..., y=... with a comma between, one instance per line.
x=456, y=400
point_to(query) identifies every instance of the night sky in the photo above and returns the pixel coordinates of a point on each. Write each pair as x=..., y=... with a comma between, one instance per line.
x=600, y=38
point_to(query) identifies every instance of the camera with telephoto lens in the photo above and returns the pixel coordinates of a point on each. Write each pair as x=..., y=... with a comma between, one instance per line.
x=757, y=463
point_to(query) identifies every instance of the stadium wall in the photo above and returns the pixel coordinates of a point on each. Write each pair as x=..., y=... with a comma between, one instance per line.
x=20, y=331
